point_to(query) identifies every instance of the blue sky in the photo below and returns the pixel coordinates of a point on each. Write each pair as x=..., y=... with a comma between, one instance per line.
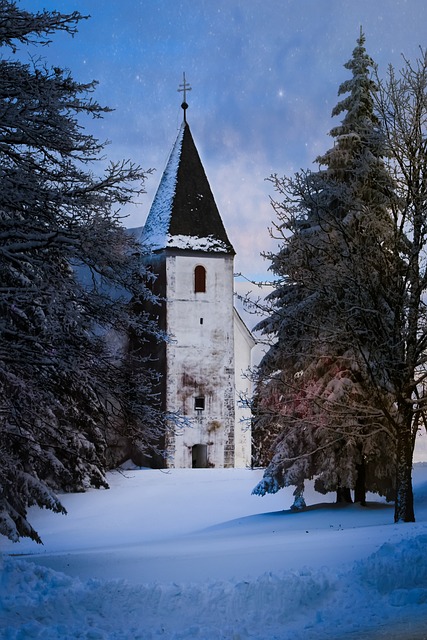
x=264, y=77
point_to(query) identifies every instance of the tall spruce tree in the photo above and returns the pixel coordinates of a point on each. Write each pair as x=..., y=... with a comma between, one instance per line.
x=68, y=272
x=320, y=411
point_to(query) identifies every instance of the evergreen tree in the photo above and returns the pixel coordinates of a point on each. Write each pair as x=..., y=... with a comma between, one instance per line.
x=68, y=273
x=332, y=312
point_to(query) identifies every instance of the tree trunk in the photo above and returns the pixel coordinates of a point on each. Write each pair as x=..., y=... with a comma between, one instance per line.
x=360, y=488
x=404, y=505
x=344, y=495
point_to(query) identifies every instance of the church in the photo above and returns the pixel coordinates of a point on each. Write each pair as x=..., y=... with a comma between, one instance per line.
x=204, y=362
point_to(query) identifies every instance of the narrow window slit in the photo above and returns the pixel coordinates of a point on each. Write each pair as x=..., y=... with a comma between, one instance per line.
x=199, y=403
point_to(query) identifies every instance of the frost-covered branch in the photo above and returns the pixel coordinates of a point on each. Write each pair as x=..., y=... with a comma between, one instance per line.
x=72, y=288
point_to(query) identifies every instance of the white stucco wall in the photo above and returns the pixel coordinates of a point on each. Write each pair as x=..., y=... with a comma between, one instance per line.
x=200, y=360
x=243, y=344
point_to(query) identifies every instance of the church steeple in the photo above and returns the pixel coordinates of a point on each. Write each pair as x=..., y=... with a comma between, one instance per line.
x=193, y=261
x=184, y=215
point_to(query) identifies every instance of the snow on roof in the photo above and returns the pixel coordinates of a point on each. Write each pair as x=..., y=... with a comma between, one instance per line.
x=184, y=214
x=195, y=244
x=155, y=231
x=170, y=241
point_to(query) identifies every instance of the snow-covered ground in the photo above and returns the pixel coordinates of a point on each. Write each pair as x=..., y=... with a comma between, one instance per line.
x=192, y=554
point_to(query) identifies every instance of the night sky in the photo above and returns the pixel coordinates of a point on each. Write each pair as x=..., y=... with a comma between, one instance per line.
x=264, y=77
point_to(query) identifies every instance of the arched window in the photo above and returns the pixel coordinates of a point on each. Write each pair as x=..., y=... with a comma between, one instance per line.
x=199, y=279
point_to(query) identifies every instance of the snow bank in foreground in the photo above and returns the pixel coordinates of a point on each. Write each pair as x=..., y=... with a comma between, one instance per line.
x=203, y=558
x=388, y=587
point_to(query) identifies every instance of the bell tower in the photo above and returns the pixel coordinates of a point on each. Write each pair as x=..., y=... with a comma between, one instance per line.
x=193, y=259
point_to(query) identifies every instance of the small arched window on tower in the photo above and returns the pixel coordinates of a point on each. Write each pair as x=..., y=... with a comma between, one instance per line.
x=199, y=279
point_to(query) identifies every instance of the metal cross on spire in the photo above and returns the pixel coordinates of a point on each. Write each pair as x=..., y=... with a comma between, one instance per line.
x=184, y=86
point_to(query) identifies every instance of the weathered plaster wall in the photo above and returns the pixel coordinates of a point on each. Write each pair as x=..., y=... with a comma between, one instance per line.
x=200, y=357
x=243, y=344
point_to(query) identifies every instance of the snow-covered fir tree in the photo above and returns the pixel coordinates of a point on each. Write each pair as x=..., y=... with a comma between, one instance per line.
x=70, y=278
x=319, y=408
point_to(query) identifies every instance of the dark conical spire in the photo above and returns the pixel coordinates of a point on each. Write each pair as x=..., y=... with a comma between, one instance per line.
x=184, y=214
